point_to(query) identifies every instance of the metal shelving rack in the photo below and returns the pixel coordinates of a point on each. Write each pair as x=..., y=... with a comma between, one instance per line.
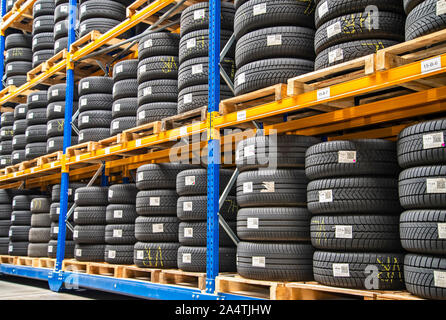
x=428, y=100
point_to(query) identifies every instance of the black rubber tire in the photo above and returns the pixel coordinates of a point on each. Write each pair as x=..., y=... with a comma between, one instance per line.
x=98, y=24
x=19, y=142
x=42, y=56
x=5, y=211
x=368, y=233
x=352, y=27
x=95, y=101
x=158, y=67
x=101, y=9
x=281, y=261
x=276, y=13
x=61, y=12
x=6, y=147
x=156, y=111
x=358, y=195
x=17, y=156
x=16, y=81
x=19, y=126
x=94, y=119
x=159, y=176
x=194, y=208
x=90, y=215
x=34, y=150
x=410, y=4
x=420, y=231
x=43, y=41
x=279, y=187
x=17, y=68
x=195, y=234
x=39, y=235
x=195, y=44
x=37, y=100
x=120, y=124
x=21, y=218
x=95, y=85
x=16, y=248
x=36, y=133
x=22, y=202
x=120, y=214
x=158, y=91
x=195, y=97
x=89, y=234
x=4, y=242
x=20, y=111
x=120, y=234
x=158, y=44
x=419, y=275
x=274, y=224
x=18, y=40
x=93, y=134
x=5, y=161
x=423, y=20
x=126, y=69
x=119, y=254
x=264, y=73
x=40, y=205
x=36, y=116
x=194, y=182
x=57, y=93
x=366, y=157
x=56, y=143
x=389, y=267
x=156, y=255
x=55, y=232
x=89, y=252
x=5, y=197
x=193, y=259
x=157, y=229
x=122, y=193
x=55, y=191
x=69, y=249
x=6, y=133
x=127, y=88
x=18, y=54
x=60, y=44
x=126, y=107
x=19, y=233
x=156, y=202
x=55, y=128
x=4, y=228
x=43, y=8
x=55, y=211
x=413, y=151
x=60, y=30
x=91, y=196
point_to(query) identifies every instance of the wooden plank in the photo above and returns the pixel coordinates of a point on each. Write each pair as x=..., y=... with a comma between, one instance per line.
x=144, y=274
x=183, y=278
x=73, y=265
x=184, y=118
x=105, y=269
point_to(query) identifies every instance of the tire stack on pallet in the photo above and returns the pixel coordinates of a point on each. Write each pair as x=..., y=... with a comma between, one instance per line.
x=60, y=33
x=351, y=29
x=36, y=121
x=424, y=17
x=120, y=228
x=5, y=220
x=192, y=211
x=6, y=136
x=90, y=220
x=353, y=196
x=273, y=222
x=422, y=190
x=194, y=51
x=43, y=25
x=157, y=77
x=100, y=15
x=95, y=104
x=156, y=228
x=56, y=118
x=19, y=129
x=40, y=232
x=125, y=92
x=18, y=58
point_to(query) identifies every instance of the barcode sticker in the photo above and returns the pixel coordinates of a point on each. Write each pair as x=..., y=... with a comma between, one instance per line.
x=440, y=279
x=241, y=78
x=117, y=233
x=139, y=254
x=148, y=43
x=154, y=201
x=117, y=107
x=441, y=7
x=84, y=102
x=10, y=248
x=247, y=187
x=191, y=43
x=110, y=193
x=22, y=110
x=187, y=98
x=249, y=151
x=334, y=29
x=111, y=254
x=346, y=156
x=323, y=94
x=433, y=140
x=187, y=206
x=189, y=180
x=85, y=119
x=268, y=186
x=430, y=65
x=188, y=232
x=252, y=223
x=55, y=93
x=75, y=215
x=259, y=9
x=157, y=228
x=442, y=230
x=323, y=9
x=326, y=196
x=14, y=202
x=241, y=115
x=56, y=230
x=50, y=249
x=197, y=68
x=258, y=262
x=51, y=145
x=335, y=55
x=344, y=232
x=10, y=81
x=141, y=115
x=147, y=91
x=116, y=125
x=76, y=196
x=75, y=233
x=119, y=69
x=79, y=252
x=199, y=14
x=30, y=115
x=117, y=214
x=35, y=41
x=341, y=270
x=436, y=185
x=187, y=258
x=85, y=85
x=140, y=176
x=58, y=27
x=9, y=67
x=57, y=108
x=274, y=40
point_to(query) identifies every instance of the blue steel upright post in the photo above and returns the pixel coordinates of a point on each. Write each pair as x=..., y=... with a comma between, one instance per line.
x=213, y=183
x=2, y=46
x=56, y=278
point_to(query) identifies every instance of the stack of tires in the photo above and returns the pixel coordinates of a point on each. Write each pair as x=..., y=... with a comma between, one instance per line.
x=40, y=232
x=422, y=190
x=89, y=217
x=36, y=120
x=194, y=52
x=60, y=33
x=353, y=196
x=424, y=17
x=275, y=42
x=125, y=92
x=273, y=222
x=156, y=228
x=19, y=138
x=192, y=211
x=100, y=15
x=95, y=107
x=5, y=220
x=18, y=58
x=55, y=114
x=347, y=30
x=10, y=5
x=157, y=77
x=43, y=25
x=6, y=136
x=120, y=228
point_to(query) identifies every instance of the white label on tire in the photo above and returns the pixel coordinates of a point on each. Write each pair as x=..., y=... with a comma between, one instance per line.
x=70, y=191
x=247, y=187
x=9, y=68
x=142, y=69
x=57, y=108
x=148, y=43
x=36, y=58
x=187, y=206
x=117, y=107
x=119, y=69
x=83, y=9
x=335, y=55
x=323, y=9
x=14, y=202
x=83, y=102
x=197, y=68
x=187, y=98
x=117, y=233
x=140, y=176
x=81, y=137
x=433, y=140
x=326, y=196
x=346, y=156
x=187, y=258
x=157, y=228
x=58, y=211
x=13, y=217
x=111, y=254
x=147, y=91
x=83, y=27
x=50, y=249
x=51, y=143
x=110, y=193
x=258, y=262
x=191, y=43
x=199, y=14
x=344, y=232
x=30, y=115
x=189, y=180
x=249, y=151
x=55, y=93
x=440, y=279
x=56, y=45
x=85, y=119
x=436, y=185
x=37, y=7
x=37, y=23
x=154, y=201
x=116, y=125
x=21, y=110
x=117, y=214
x=259, y=9
x=241, y=78
x=50, y=126
x=252, y=223
x=442, y=230
x=58, y=27
x=10, y=232
x=140, y=254
x=323, y=94
x=11, y=248
x=35, y=41
x=27, y=150
x=268, y=186
x=75, y=233
x=10, y=81
x=15, y=156
x=188, y=232
x=334, y=29
x=56, y=230
x=441, y=7
x=141, y=115
x=63, y=8
x=274, y=40
x=85, y=85
x=78, y=252
x=341, y=270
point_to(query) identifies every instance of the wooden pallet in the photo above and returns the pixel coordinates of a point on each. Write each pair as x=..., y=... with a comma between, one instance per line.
x=12, y=169
x=140, y=131
x=52, y=157
x=81, y=148
x=7, y=259
x=28, y=164
x=46, y=65
x=183, y=278
x=398, y=295
x=46, y=263
x=184, y=118
x=27, y=261
x=105, y=269
x=24, y=20
x=73, y=265
x=145, y=274
x=21, y=98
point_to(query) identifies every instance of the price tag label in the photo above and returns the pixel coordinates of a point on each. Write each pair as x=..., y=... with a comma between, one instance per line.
x=199, y=14
x=191, y=43
x=141, y=115
x=56, y=230
x=188, y=232
x=147, y=91
x=346, y=156
x=433, y=140
x=117, y=214
x=140, y=176
x=117, y=233
x=187, y=206
x=85, y=85
x=436, y=185
x=111, y=254
x=50, y=249
x=187, y=258
x=335, y=55
x=259, y=9
x=440, y=279
x=274, y=40
x=140, y=254
x=148, y=43
x=22, y=110
x=117, y=107
x=64, y=8
x=142, y=69
x=334, y=29
x=157, y=228
x=323, y=94
x=75, y=233
x=85, y=119
x=79, y=252
x=253, y=223
x=344, y=232
x=110, y=193
x=119, y=69
x=326, y=196
x=247, y=187
x=187, y=98
x=241, y=78
x=84, y=102
x=197, y=68
x=258, y=262
x=189, y=180
x=341, y=270
x=154, y=201
x=323, y=9
x=441, y=7
x=58, y=108
x=442, y=230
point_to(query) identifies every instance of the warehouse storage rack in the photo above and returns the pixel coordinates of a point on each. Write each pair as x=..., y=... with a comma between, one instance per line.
x=388, y=68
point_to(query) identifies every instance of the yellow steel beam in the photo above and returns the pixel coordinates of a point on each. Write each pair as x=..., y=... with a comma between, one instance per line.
x=16, y=15
x=381, y=133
